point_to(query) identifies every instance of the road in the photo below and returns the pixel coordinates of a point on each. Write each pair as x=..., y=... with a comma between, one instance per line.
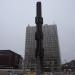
x=11, y=72
x=20, y=72
x=48, y=73
x=61, y=73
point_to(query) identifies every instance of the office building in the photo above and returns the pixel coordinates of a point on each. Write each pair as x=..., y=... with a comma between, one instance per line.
x=51, y=48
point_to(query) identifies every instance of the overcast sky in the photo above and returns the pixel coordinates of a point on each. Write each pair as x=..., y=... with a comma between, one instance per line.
x=15, y=15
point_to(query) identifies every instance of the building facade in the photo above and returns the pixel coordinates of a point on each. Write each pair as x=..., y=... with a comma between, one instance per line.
x=51, y=48
x=69, y=66
x=10, y=60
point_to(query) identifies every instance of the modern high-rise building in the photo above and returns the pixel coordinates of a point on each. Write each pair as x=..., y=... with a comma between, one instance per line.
x=50, y=44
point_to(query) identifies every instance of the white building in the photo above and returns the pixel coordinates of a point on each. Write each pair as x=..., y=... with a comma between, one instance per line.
x=50, y=44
